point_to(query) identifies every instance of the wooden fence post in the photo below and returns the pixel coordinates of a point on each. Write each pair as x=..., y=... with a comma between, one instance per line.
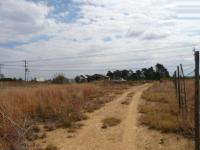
x=178, y=88
x=175, y=83
x=197, y=138
x=184, y=89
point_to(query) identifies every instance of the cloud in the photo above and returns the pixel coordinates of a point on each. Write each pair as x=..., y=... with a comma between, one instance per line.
x=155, y=34
x=22, y=19
x=106, y=27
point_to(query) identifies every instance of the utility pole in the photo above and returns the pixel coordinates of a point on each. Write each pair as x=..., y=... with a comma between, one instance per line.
x=28, y=71
x=25, y=69
x=196, y=114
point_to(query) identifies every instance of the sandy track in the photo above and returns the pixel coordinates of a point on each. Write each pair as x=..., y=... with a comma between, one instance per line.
x=130, y=128
x=125, y=136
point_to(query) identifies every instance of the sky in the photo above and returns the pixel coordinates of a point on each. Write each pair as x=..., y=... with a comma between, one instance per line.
x=76, y=37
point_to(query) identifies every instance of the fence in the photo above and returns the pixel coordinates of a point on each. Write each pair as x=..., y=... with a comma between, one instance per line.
x=179, y=84
x=180, y=89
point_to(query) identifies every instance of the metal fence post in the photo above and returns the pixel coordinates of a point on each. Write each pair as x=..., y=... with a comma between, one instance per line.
x=178, y=88
x=197, y=138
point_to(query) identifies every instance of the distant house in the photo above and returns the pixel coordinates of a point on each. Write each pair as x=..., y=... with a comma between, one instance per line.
x=96, y=77
x=40, y=79
x=119, y=80
x=83, y=78
x=90, y=78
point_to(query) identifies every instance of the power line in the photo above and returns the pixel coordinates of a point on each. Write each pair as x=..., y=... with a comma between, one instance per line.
x=97, y=65
x=15, y=68
x=190, y=73
x=15, y=61
x=13, y=65
x=105, y=55
x=101, y=54
x=132, y=60
x=187, y=69
x=108, y=61
x=90, y=69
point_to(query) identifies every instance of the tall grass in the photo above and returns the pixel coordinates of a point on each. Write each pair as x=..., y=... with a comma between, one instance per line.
x=159, y=109
x=21, y=107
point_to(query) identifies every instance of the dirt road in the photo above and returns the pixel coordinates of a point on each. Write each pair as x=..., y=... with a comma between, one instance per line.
x=127, y=135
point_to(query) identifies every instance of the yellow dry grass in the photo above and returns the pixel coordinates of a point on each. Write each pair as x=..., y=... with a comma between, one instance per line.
x=159, y=109
x=28, y=104
x=60, y=104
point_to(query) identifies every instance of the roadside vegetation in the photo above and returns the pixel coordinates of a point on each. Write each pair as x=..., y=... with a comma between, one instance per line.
x=24, y=108
x=159, y=109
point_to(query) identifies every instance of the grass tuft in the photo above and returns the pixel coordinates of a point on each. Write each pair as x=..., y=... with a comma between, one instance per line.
x=51, y=147
x=110, y=122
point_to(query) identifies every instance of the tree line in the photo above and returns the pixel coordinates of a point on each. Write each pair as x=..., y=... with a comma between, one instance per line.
x=152, y=73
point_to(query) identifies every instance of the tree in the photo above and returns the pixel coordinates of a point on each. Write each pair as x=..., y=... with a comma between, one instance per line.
x=139, y=74
x=132, y=76
x=117, y=74
x=149, y=73
x=162, y=71
x=125, y=74
x=77, y=79
x=59, y=79
x=110, y=74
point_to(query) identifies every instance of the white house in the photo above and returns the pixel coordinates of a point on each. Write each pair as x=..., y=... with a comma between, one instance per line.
x=40, y=79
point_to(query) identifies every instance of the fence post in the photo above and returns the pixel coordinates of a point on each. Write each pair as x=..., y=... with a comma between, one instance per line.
x=181, y=90
x=178, y=88
x=197, y=138
x=185, y=96
x=175, y=82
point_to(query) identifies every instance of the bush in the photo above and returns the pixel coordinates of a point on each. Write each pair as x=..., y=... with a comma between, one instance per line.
x=60, y=79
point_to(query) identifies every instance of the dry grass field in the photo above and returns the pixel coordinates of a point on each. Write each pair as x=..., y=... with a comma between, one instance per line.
x=24, y=106
x=159, y=109
x=31, y=112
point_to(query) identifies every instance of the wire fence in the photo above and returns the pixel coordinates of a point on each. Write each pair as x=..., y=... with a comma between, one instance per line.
x=179, y=79
x=181, y=74
x=180, y=88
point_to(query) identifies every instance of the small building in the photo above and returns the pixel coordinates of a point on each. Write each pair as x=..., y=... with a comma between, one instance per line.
x=83, y=78
x=90, y=78
x=40, y=79
x=96, y=77
x=119, y=80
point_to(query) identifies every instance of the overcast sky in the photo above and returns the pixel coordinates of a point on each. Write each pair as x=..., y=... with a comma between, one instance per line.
x=92, y=36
